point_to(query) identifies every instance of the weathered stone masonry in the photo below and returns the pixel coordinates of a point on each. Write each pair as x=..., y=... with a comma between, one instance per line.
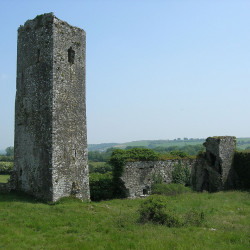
x=215, y=171
x=212, y=172
x=138, y=177
x=50, y=112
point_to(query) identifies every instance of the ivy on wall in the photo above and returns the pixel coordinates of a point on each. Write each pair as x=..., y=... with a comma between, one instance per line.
x=118, y=160
x=242, y=168
x=181, y=174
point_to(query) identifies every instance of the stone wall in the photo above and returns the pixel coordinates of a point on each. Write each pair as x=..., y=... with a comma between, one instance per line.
x=50, y=112
x=215, y=171
x=212, y=171
x=69, y=136
x=138, y=177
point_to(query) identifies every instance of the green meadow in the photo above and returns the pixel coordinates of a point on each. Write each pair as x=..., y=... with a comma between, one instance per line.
x=26, y=223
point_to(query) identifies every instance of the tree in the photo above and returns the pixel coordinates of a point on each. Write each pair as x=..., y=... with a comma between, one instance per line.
x=9, y=151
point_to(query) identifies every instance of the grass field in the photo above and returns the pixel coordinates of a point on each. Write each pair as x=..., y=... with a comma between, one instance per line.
x=71, y=224
x=97, y=164
x=4, y=178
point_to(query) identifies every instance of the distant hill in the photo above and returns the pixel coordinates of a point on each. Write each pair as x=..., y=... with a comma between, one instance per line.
x=101, y=146
x=242, y=143
x=146, y=144
x=161, y=143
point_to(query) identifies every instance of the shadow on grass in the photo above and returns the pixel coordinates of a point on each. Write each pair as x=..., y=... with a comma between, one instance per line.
x=17, y=196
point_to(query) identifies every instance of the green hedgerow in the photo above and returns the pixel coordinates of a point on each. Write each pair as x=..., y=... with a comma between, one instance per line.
x=101, y=186
x=6, y=167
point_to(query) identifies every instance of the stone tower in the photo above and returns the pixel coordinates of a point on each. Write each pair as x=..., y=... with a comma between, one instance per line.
x=51, y=158
x=214, y=171
x=219, y=155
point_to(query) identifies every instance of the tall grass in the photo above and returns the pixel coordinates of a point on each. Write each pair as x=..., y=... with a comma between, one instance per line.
x=71, y=224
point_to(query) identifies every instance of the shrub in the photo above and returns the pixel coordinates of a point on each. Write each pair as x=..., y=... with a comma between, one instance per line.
x=101, y=187
x=99, y=167
x=120, y=156
x=175, y=156
x=154, y=209
x=6, y=158
x=181, y=175
x=6, y=167
x=178, y=153
x=157, y=179
x=171, y=189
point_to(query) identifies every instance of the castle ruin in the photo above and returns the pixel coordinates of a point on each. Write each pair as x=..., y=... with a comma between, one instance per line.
x=213, y=171
x=51, y=158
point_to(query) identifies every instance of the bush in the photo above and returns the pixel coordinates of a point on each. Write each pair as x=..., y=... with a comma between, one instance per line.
x=178, y=153
x=101, y=186
x=120, y=156
x=171, y=189
x=6, y=158
x=6, y=167
x=157, y=179
x=175, y=156
x=154, y=209
x=99, y=167
x=181, y=175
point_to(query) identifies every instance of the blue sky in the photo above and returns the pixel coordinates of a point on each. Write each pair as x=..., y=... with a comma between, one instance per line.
x=155, y=69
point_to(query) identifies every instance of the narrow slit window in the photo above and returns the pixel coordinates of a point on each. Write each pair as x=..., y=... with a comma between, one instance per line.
x=71, y=55
x=38, y=56
x=74, y=153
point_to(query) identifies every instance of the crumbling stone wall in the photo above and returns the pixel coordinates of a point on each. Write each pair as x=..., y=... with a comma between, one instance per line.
x=212, y=171
x=215, y=170
x=50, y=112
x=138, y=177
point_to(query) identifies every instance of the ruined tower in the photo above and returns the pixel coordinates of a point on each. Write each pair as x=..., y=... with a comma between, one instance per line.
x=215, y=171
x=50, y=110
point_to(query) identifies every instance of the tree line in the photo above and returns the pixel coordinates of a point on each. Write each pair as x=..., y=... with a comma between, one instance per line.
x=188, y=150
